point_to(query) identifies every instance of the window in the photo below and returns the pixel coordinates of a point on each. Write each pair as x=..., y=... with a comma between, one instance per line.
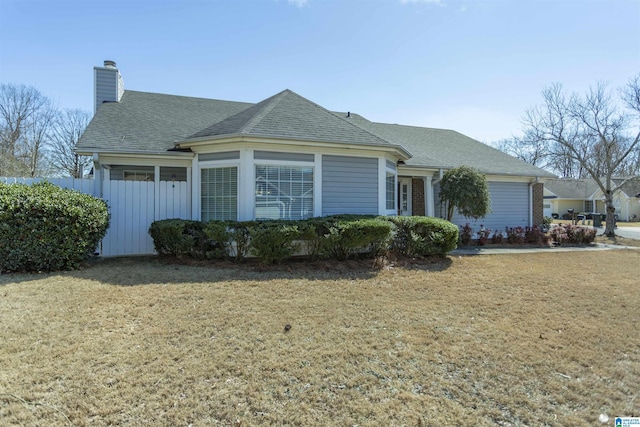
x=588, y=205
x=284, y=192
x=137, y=175
x=391, y=191
x=219, y=189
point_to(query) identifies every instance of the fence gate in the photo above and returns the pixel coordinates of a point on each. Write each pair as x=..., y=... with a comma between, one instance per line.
x=134, y=205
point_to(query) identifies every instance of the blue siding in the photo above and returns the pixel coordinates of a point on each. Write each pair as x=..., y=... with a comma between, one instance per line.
x=349, y=185
x=509, y=207
x=106, y=86
x=275, y=155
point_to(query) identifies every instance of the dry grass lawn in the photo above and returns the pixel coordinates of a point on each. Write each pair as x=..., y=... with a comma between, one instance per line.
x=535, y=339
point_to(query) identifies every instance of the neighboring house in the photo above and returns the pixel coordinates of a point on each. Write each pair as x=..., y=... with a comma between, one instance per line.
x=584, y=196
x=287, y=157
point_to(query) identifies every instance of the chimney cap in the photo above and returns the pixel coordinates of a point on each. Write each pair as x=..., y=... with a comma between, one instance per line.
x=109, y=63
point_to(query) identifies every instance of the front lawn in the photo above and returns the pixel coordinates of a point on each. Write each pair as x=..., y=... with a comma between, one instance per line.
x=537, y=339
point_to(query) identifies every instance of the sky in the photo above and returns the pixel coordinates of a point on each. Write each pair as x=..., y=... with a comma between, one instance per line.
x=472, y=66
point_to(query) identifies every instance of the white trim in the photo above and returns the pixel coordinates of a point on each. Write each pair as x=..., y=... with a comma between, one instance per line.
x=409, y=182
x=317, y=185
x=196, y=214
x=156, y=191
x=429, y=202
x=382, y=186
x=246, y=185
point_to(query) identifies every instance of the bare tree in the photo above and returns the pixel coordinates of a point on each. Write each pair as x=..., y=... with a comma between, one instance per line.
x=26, y=117
x=529, y=150
x=68, y=127
x=594, y=131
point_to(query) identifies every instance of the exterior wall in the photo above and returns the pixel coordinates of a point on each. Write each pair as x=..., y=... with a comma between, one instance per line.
x=537, y=203
x=108, y=86
x=417, y=196
x=349, y=185
x=509, y=207
x=562, y=206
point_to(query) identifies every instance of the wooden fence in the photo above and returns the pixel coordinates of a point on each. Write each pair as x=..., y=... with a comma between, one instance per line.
x=133, y=205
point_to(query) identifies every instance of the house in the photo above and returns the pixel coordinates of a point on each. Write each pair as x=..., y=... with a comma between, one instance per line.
x=585, y=196
x=287, y=157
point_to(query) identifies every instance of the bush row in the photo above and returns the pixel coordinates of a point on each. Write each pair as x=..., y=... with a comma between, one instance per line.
x=336, y=237
x=563, y=233
x=44, y=227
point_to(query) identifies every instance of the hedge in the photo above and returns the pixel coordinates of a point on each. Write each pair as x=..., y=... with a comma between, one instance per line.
x=45, y=228
x=423, y=236
x=337, y=237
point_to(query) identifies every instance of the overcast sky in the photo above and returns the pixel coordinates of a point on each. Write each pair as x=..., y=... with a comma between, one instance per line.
x=471, y=66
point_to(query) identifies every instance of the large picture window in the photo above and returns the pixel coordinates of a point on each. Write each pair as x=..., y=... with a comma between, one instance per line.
x=284, y=192
x=219, y=193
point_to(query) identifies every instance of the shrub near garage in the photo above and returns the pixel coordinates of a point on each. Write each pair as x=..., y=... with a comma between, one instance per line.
x=44, y=227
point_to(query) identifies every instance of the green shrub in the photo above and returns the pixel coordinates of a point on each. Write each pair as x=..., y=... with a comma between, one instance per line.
x=240, y=239
x=44, y=227
x=219, y=238
x=347, y=237
x=172, y=236
x=423, y=236
x=274, y=241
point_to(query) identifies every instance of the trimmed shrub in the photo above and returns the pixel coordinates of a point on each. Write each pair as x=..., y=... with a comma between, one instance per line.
x=572, y=234
x=240, y=239
x=423, y=236
x=45, y=228
x=219, y=237
x=173, y=236
x=347, y=237
x=536, y=236
x=273, y=241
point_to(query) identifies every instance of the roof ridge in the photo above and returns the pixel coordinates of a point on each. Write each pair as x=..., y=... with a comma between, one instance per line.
x=270, y=104
x=187, y=97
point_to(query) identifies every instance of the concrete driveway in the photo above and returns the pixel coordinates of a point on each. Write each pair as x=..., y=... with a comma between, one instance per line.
x=628, y=232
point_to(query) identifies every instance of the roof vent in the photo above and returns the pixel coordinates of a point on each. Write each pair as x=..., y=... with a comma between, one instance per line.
x=110, y=64
x=348, y=113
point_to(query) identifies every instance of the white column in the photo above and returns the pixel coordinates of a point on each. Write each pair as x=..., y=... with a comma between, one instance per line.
x=317, y=185
x=195, y=189
x=428, y=197
x=246, y=185
x=156, y=192
x=382, y=186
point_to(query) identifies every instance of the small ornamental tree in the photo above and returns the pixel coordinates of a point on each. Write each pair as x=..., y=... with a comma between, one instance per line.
x=465, y=189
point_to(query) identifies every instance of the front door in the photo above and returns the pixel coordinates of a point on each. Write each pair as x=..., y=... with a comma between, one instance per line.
x=404, y=204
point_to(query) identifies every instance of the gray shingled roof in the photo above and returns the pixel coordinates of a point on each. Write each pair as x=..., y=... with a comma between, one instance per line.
x=442, y=148
x=566, y=188
x=144, y=121
x=154, y=122
x=289, y=115
x=569, y=188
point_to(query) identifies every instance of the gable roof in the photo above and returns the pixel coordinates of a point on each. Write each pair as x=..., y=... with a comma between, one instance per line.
x=144, y=121
x=152, y=122
x=446, y=149
x=289, y=115
x=569, y=188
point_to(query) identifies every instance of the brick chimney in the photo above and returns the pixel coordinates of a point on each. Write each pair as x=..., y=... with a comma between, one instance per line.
x=108, y=85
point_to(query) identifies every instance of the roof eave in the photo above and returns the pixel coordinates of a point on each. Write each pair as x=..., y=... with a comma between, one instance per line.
x=400, y=151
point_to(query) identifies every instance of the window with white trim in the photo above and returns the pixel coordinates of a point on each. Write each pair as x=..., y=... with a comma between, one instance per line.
x=284, y=192
x=391, y=191
x=219, y=193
